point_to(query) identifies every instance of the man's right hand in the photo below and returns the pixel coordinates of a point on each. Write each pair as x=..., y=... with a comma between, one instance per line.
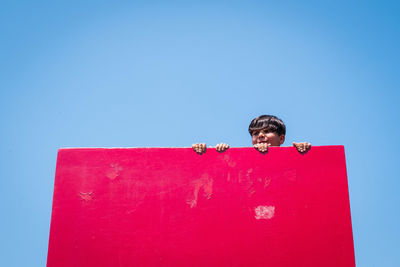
x=199, y=148
x=302, y=147
x=262, y=147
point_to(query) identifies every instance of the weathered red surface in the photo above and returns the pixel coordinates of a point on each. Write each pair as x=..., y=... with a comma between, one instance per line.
x=172, y=207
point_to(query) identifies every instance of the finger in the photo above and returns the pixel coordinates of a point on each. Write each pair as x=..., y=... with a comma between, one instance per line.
x=264, y=147
x=221, y=148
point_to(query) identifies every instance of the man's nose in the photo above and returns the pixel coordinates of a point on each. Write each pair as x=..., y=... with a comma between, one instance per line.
x=261, y=134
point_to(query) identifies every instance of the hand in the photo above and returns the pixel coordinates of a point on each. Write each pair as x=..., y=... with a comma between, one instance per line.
x=221, y=147
x=199, y=148
x=262, y=147
x=302, y=147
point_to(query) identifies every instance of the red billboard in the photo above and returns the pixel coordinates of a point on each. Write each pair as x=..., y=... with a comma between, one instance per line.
x=173, y=207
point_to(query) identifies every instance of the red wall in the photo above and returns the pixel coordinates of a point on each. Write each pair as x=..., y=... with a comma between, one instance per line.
x=172, y=207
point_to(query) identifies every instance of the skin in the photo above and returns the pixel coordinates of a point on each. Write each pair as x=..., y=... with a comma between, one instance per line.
x=201, y=148
x=302, y=147
x=221, y=147
x=261, y=140
x=269, y=138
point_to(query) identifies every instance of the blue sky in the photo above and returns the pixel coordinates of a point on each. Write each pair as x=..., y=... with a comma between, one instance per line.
x=170, y=73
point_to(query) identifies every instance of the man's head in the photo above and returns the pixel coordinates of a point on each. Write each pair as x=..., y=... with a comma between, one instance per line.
x=267, y=129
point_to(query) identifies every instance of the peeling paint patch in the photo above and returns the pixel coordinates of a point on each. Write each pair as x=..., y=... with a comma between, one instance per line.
x=267, y=182
x=208, y=188
x=205, y=183
x=87, y=196
x=229, y=161
x=264, y=212
x=249, y=171
x=251, y=191
x=114, y=171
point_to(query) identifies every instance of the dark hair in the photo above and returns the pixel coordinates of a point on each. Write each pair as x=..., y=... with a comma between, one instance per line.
x=268, y=122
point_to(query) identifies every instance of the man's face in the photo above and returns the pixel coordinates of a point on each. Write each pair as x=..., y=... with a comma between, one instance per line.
x=270, y=138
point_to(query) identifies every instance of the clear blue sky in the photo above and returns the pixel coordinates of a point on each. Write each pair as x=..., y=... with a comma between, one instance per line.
x=170, y=73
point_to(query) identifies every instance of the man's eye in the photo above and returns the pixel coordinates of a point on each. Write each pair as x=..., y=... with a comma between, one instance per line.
x=255, y=133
